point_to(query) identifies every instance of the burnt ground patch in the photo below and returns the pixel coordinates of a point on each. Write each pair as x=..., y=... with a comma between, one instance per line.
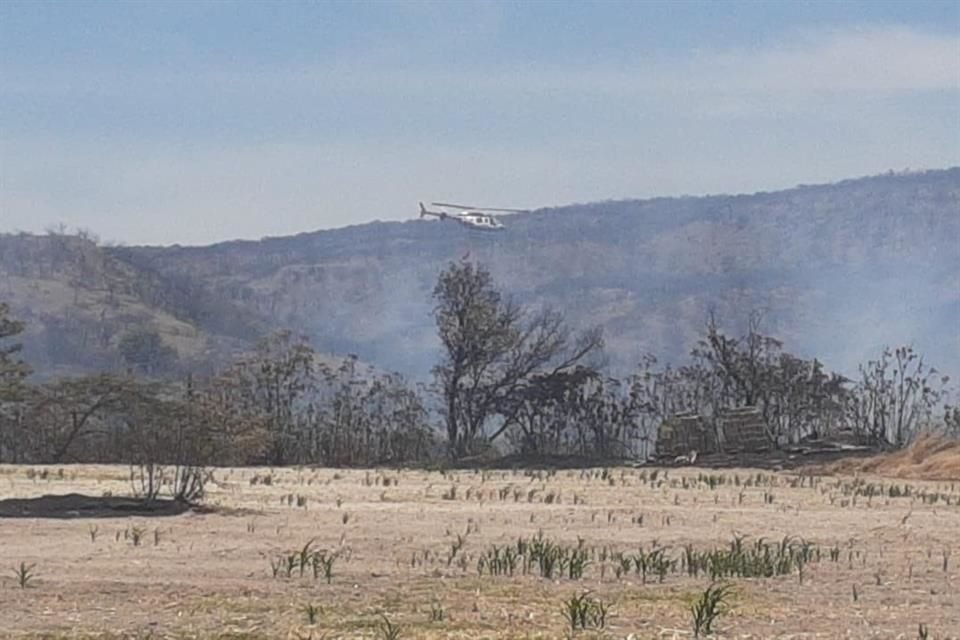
x=75, y=505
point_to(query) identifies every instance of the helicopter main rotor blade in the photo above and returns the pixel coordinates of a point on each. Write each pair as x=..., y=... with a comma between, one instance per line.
x=469, y=208
x=453, y=206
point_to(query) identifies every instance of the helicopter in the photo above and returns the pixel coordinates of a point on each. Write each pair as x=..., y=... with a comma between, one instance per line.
x=472, y=217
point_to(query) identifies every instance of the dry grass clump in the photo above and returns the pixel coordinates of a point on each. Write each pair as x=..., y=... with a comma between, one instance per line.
x=931, y=457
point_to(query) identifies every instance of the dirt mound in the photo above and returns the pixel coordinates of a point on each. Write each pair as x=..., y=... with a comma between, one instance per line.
x=931, y=457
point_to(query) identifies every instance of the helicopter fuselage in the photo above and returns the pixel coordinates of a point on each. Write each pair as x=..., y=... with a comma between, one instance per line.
x=476, y=219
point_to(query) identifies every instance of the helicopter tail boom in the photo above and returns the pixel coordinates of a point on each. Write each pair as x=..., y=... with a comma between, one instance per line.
x=424, y=212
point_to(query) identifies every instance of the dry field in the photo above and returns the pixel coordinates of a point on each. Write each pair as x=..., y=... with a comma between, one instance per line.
x=885, y=555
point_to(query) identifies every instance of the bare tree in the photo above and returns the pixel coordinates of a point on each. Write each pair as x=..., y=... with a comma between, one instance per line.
x=542, y=413
x=175, y=435
x=278, y=380
x=365, y=418
x=70, y=416
x=741, y=364
x=894, y=396
x=492, y=349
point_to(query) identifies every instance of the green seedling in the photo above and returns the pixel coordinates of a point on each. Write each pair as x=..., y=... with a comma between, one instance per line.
x=583, y=612
x=387, y=630
x=709, y=607
x=24, y=574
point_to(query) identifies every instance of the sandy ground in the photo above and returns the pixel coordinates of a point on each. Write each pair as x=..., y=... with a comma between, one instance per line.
x=200, y=575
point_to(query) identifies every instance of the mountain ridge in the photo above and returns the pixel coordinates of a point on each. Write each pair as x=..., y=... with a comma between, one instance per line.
x=840, y=269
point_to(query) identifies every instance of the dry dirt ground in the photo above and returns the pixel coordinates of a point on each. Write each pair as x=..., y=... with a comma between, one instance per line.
x=895, y=561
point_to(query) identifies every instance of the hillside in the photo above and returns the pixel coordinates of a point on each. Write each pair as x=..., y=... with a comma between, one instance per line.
x=839, y=269
x=79, y=302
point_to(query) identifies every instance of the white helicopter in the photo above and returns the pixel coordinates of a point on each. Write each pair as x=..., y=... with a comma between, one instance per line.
x=473, y=217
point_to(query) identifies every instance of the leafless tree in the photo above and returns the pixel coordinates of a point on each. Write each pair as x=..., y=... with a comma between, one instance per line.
x=492, y=350
x=895, y=395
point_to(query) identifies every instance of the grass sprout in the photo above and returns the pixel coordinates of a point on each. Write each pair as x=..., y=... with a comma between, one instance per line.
x=709, y=607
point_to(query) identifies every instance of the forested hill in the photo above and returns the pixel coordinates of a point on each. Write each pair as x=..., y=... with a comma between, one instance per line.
x=82, y=305
x=840, y=270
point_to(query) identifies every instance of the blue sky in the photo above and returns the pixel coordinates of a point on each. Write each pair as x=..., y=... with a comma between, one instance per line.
x=192, y=122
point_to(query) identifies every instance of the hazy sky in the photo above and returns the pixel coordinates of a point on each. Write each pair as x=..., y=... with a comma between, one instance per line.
x=193, y=122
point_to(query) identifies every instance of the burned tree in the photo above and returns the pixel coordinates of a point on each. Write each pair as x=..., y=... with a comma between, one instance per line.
x=13, y=373
x=70, y=418
x=895, y=395
x=492, y=350
x=12, y=369
x=276, y=382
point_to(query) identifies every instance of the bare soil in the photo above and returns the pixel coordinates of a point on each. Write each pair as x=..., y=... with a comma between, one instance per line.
x=208, y=574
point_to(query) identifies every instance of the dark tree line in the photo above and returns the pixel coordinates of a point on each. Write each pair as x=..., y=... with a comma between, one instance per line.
x=281, y=404
x=889, y=403
x=515, y=372
x=510, y=377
